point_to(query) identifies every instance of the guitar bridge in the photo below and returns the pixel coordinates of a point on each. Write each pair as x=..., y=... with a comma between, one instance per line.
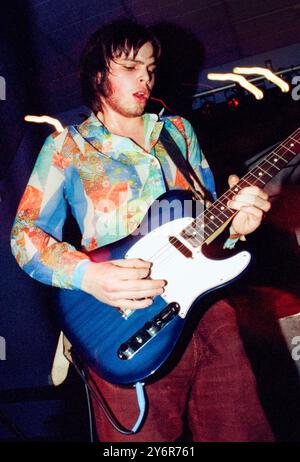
x=128, y=349
x=125, y=312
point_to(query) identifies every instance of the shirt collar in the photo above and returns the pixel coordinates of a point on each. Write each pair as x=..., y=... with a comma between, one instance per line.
x=97, y=135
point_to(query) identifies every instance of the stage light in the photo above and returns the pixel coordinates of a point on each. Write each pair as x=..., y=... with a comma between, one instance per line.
x=267, y=73
x=45, y=119
x=233, y=103
x=234, y=98
x=240, y=80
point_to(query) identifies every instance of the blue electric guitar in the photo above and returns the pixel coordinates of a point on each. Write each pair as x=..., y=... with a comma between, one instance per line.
x=127, y=346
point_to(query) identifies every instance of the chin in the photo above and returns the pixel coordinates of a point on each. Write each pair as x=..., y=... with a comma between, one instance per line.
x=136, y=113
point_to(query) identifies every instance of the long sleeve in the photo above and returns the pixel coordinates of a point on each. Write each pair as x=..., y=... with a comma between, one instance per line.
x=36, y=237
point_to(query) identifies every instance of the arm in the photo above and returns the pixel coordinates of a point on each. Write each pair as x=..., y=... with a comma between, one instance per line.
x=36, y=242
x=37, y=230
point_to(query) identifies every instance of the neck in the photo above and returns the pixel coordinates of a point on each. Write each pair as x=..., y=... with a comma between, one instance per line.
x=118, y=124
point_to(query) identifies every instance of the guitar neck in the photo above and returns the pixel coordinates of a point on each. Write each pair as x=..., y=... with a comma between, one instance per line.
x=218, y=214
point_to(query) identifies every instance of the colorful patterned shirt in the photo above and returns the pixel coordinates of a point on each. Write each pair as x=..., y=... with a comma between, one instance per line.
x=108, y=181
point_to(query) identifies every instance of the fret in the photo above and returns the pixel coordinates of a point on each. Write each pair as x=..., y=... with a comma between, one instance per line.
x=208, y=232
x=269, y=168
x=281, y=157
x=203, y=228
x=263, y=169
x=256, y=180
x=261, y=175
x=198, y=225
x=278, y=161
x=244, y=183
x=288, y=154
x=213, y=217
x=223, y=204
x=220, y=209
x=225, y=211
x=236, y=188
x=199, y=230
x=273, y=165
x=289, y=147
x=209, y=226
x=228, y=195
x=195, y=230
x=192, y=236
x=296, y=143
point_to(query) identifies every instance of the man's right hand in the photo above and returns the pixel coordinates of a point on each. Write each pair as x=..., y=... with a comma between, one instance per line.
x=122, y=283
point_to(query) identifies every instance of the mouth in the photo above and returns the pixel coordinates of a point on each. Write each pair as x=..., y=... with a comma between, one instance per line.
x=142, y=96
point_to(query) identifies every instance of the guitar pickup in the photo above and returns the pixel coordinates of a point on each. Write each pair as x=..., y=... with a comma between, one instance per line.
x=180, y=247
x=131, y=346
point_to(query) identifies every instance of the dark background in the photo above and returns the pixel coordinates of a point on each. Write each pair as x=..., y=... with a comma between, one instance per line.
x=41, y=41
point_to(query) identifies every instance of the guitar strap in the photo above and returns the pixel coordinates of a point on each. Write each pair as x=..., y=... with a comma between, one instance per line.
x=184, y=166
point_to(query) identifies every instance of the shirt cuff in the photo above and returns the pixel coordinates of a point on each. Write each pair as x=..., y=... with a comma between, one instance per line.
x=233, y=239
x=79, y=273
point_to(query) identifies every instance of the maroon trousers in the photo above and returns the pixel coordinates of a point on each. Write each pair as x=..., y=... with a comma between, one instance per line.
x=213, y=379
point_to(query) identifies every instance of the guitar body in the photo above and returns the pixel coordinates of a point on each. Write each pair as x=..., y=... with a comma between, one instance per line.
x=127, y=348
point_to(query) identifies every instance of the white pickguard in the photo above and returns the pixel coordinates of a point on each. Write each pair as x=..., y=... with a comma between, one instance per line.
x=187, y=277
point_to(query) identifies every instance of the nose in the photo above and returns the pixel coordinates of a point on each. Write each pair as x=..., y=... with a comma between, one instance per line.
x=145, y=76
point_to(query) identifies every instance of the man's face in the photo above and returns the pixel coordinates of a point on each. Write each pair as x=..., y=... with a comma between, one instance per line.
x=129, y=82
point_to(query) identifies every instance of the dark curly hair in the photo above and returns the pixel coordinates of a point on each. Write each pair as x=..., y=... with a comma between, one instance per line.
x=108, y=42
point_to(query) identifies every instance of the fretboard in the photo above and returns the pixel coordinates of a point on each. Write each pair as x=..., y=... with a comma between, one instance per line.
x=208, y=222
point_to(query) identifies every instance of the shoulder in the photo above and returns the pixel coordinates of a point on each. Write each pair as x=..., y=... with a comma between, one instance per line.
x=57, y=138
x=179, y=123
x=59, y=149
x=73, y=134
x=86, y=127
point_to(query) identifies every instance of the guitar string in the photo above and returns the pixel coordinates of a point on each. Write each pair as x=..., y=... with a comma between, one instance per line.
x=155, y=257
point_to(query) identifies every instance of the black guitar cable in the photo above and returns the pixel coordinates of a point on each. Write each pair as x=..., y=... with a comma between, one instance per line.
x=101, y=403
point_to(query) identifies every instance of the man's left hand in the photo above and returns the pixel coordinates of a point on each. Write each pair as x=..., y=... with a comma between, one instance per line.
x=252, y=202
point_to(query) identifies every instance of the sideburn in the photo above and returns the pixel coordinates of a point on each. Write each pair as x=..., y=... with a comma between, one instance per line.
x=102, y=89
